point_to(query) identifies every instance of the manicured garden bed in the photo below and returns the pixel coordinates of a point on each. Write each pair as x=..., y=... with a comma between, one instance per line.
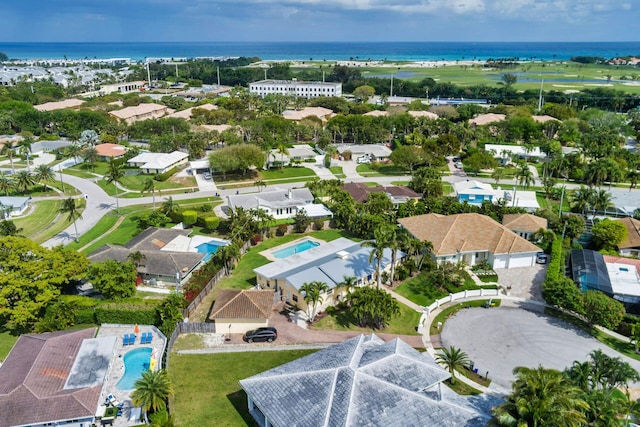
x=422, y=291
x=342, y=320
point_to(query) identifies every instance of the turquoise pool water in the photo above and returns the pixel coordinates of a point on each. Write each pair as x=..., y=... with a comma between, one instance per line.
x=208, y=248
x=305, y=245
x=135, y=363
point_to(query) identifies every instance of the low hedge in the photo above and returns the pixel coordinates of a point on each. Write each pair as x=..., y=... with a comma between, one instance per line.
x=557, y=260
x=165, y=175
x=126, y=314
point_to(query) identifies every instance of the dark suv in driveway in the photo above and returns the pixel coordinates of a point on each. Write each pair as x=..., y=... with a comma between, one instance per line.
x=261, y=334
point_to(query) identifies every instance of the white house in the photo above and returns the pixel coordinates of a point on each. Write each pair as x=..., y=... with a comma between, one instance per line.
x=11, y=206
x=295, y=87
x=471, y=238
x=505, y=152
x=280, y=203
x=159, y=162
x=298, y=152
x=475, y=192
x=376, y=152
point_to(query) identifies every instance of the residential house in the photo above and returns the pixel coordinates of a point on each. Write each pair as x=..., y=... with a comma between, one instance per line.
x=59, y=105
x=238, y=311
x=109, y=151
x=630, y=246
x=361, y=381
x=397, y=194
x=504, y=152
x=471, y=238
x=375, y=152
x=427, y=114
x=141, y=112
x=329, y=263
x=280, y=203
x=13, y=205
x=524, y=225
x=485, y=119
x=187, y=113
x=155, y=163
x=324, y=114
x=168, y=255
x=476, y=192
x=376, y=113
x=616, y=277
x=50, y=379
x=299, y=88
x=297, y=153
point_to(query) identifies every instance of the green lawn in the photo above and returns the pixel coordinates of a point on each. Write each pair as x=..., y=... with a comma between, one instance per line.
x=337, y=171
x=421, y=291
x=288, y=172
x=404, y=324
x=368, y=169
x=6, y=344
x=79, y=173
x=206, y=385
x=243, y=276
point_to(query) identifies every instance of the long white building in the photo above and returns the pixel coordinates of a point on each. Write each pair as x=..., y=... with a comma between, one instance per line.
x=295, y=87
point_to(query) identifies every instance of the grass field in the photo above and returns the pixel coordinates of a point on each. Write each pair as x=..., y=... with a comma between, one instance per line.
x=384, y=170
x=404, y=324
x=207, y=390
x=6, y=344
x=289, y=172
x=558, y=75
x=337, y=171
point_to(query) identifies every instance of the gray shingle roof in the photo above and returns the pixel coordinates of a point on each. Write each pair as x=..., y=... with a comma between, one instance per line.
x=360, y=382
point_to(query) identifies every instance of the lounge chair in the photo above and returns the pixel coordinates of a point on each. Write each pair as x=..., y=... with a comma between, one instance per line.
x=125, y=339
x=132, y=339
x=149, y=337
x=113, y=401
x=143, y=338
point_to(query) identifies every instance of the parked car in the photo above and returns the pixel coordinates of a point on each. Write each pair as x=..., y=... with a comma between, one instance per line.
x=364, y=159
x=541, y=258
x=458, y=164
x=267, y=334
x=206, y=176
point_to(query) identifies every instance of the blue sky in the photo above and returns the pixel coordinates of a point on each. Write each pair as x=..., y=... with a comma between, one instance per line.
x=319, y=20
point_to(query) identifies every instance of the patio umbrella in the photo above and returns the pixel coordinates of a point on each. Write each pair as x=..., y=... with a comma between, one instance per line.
x=136, y=329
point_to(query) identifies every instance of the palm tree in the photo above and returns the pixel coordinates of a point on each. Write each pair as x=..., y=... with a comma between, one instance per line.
x=498, y=174
x=74, y=151
x=136, y=257
x=69, y=207
x=114, y=175
x=6, y=183
x=90, y=155
x=44, y=174
x=377, y=252
x=312, y=296
x=581, y=199
x=601, y=200
x=152, y=391
x=525, y=176
x=169, y=207
x=541, y=397
x=282, y=150
x=9, y=151
x=24, y=148
x=260, y=184
x=349, y=283
x=454, y=359
x=23, y=181
x=149, y=186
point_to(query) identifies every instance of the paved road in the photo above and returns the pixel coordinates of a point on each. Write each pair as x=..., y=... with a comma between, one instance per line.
x=500, y=339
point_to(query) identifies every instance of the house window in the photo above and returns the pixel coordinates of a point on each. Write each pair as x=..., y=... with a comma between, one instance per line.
x=330, y=291
x=294, y=298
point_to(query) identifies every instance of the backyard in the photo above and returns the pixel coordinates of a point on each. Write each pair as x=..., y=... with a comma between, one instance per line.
x=215, y=378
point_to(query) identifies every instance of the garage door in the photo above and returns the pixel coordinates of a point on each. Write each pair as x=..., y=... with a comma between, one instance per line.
x=500, y=261
x=521, y=260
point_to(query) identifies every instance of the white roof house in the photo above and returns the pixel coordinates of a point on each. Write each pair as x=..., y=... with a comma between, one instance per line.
x=299, y=152
x=378, y=151
x=475, y=192
x=362, y=381
x=280, y=203
x=625, y=282
x=320, y=112
x=10, y=206
x=504, y=151
x=159, y=162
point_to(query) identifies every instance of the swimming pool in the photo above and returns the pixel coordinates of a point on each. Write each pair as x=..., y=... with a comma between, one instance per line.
x=305, y=245
x=135, y=363
x=208, y=248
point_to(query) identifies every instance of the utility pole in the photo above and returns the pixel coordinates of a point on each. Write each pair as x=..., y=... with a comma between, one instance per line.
x=540, y=97
x=148, y=74
x=218, y=71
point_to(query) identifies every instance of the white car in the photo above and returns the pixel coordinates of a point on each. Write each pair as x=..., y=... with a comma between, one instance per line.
x=206, y=176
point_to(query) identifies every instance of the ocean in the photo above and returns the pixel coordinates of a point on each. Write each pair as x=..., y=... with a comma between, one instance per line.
x=330, y=51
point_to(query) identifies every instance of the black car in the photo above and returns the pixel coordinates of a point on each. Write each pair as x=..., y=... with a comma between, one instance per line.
x=261, y=334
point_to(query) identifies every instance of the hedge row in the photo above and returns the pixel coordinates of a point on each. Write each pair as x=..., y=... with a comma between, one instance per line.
x=557, y=260
x=166, y=175
x=126, y=314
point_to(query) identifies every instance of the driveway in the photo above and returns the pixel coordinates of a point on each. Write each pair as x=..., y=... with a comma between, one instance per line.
x=525, y=282
x=499, y=339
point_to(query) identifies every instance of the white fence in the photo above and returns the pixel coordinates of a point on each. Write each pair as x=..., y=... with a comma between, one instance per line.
x=476, y=293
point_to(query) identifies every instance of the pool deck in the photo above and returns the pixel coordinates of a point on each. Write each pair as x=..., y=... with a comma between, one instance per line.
x=116, y=369
x=268, y=253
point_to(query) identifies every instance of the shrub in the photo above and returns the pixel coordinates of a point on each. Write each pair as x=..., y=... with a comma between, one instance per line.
x=85, y=315
x=257, y=238
x=557, y=260
x=166, y=175
x=211, y=222
x=603, y=310
x=282, y=230
x=189, y=218
x=126, y=314
x=207, y=207
x=318, y=224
